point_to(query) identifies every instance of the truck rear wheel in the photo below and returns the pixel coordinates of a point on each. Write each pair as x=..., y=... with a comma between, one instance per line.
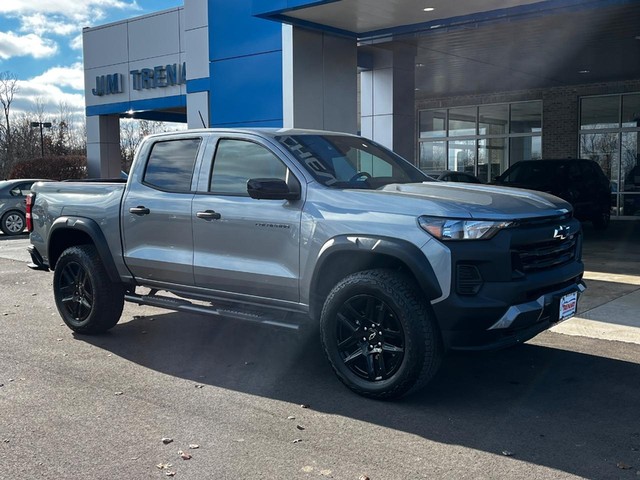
x=88, y=301
x=379, y=334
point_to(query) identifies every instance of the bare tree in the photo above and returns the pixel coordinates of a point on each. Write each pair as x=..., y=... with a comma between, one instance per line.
x=8, y=90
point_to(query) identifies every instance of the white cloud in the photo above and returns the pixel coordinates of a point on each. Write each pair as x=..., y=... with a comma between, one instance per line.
x=55, y=86
x=41, y=24
x=76, y=42
x=71, y=9
x=72, y=76
x=61, y=17
x=12, y=45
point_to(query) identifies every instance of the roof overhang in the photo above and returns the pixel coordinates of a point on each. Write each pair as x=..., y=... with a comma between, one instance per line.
x=368, y=19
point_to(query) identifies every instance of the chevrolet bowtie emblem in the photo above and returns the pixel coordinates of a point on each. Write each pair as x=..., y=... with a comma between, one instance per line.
x=561, y=232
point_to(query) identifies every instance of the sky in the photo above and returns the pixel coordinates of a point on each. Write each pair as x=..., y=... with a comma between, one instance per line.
x=41, y=44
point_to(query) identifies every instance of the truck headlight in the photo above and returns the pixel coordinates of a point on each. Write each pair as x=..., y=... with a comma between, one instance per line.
x=457, y=229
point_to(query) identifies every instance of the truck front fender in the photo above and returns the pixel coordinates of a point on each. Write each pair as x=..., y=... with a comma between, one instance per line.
x=346, y=254
x=68, y=231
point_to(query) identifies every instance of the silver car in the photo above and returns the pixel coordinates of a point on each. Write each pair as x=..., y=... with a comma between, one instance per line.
x=13, y=196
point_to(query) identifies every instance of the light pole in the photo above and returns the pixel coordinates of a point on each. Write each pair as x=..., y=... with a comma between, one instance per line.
x=41, y=125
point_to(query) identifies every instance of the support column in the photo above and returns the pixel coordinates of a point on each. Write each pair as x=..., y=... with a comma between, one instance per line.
x=103, y=146
x=387, y=94
x=319, y=80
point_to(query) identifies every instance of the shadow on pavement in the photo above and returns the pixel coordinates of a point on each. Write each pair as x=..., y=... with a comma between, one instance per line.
x=566, y=410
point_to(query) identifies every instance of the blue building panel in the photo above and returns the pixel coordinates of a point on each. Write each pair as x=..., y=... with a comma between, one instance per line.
x=174, y=101
x=235, y=32
x=268, y=7
x=198, y=85
x=247, y=91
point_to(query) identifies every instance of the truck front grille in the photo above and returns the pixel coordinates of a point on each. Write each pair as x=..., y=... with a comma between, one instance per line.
x=541, y=256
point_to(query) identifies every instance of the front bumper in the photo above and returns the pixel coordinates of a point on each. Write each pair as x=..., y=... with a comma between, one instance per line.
x=517, y=324
x=509, y=288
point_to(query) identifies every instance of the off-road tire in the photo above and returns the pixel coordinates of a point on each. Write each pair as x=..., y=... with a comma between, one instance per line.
x=404, y=309
x=87, y=300
x=11, y=221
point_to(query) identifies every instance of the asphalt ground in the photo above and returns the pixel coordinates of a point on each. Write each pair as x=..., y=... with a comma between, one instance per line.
x=79, y=407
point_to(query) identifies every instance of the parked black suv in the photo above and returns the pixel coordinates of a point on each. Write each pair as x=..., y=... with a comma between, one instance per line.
x=582, y=183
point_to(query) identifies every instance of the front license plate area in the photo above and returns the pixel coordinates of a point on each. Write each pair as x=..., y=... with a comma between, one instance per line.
x=568, y=306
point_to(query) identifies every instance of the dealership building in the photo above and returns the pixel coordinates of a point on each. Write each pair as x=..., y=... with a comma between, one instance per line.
x=472, y=86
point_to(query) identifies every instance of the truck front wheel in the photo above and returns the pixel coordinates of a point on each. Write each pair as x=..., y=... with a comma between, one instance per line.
x=88, y=301
x=379, y=334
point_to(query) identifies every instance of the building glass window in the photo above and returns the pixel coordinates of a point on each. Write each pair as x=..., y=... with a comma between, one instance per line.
x=630, y=173
x=631, y=111
x=481, y=140
x=610, y=135
x=525, y=148
x=433, y=156
x=492, y=158
x=462, y=121
x=433, y=123
x=462, y=156
x=526, y=117
x=600, y=112
x=493, y=119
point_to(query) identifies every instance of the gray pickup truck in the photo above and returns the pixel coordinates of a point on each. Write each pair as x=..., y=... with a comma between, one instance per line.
x=283, y=227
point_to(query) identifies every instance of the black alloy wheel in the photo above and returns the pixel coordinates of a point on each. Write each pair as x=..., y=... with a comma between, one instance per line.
x=77, y=292
x=87, y=299
x=379, y=334
x=370, y=338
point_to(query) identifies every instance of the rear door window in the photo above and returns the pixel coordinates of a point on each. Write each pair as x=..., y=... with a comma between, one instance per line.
x=171, y=163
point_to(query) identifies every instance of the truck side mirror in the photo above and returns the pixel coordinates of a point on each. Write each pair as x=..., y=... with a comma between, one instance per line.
x=271, y=189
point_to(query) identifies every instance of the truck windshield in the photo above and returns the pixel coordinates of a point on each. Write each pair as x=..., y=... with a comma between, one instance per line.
x=341, y=161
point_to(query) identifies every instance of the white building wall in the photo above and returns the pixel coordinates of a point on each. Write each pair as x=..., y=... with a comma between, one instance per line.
x=176, y=36
x=196, y=41
x=387, y=100
x=142, y=42
x=198, y=110
x=319, y=80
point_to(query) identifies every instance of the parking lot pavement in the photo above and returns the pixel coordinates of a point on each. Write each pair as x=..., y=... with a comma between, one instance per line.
x=97, y=407
x=15, y=247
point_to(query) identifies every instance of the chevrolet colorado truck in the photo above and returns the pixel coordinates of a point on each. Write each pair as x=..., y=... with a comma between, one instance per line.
x=283, y=227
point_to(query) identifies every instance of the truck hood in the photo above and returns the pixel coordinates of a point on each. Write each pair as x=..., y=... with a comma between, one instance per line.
x=464, y=200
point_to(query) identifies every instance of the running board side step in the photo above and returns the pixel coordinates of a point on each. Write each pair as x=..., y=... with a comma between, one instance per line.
x=279, y=319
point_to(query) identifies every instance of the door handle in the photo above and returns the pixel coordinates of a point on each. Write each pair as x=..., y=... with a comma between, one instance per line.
x=208, y=215
x=139, y=210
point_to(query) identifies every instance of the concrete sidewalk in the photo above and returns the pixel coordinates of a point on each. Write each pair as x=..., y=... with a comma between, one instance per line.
x=610, y=307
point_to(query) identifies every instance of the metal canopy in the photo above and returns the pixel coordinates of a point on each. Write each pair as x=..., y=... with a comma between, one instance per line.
x=566, y=48
x=476, y=46
x=364, y=16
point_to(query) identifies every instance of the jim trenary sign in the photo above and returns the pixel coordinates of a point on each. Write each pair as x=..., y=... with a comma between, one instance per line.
x=160, y=76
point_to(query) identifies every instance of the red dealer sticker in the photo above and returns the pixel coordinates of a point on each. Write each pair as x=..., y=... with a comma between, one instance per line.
x=568, y=305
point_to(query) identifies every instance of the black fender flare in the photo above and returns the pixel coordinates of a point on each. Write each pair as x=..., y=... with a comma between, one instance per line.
x=402, y=250
x=90, y=228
